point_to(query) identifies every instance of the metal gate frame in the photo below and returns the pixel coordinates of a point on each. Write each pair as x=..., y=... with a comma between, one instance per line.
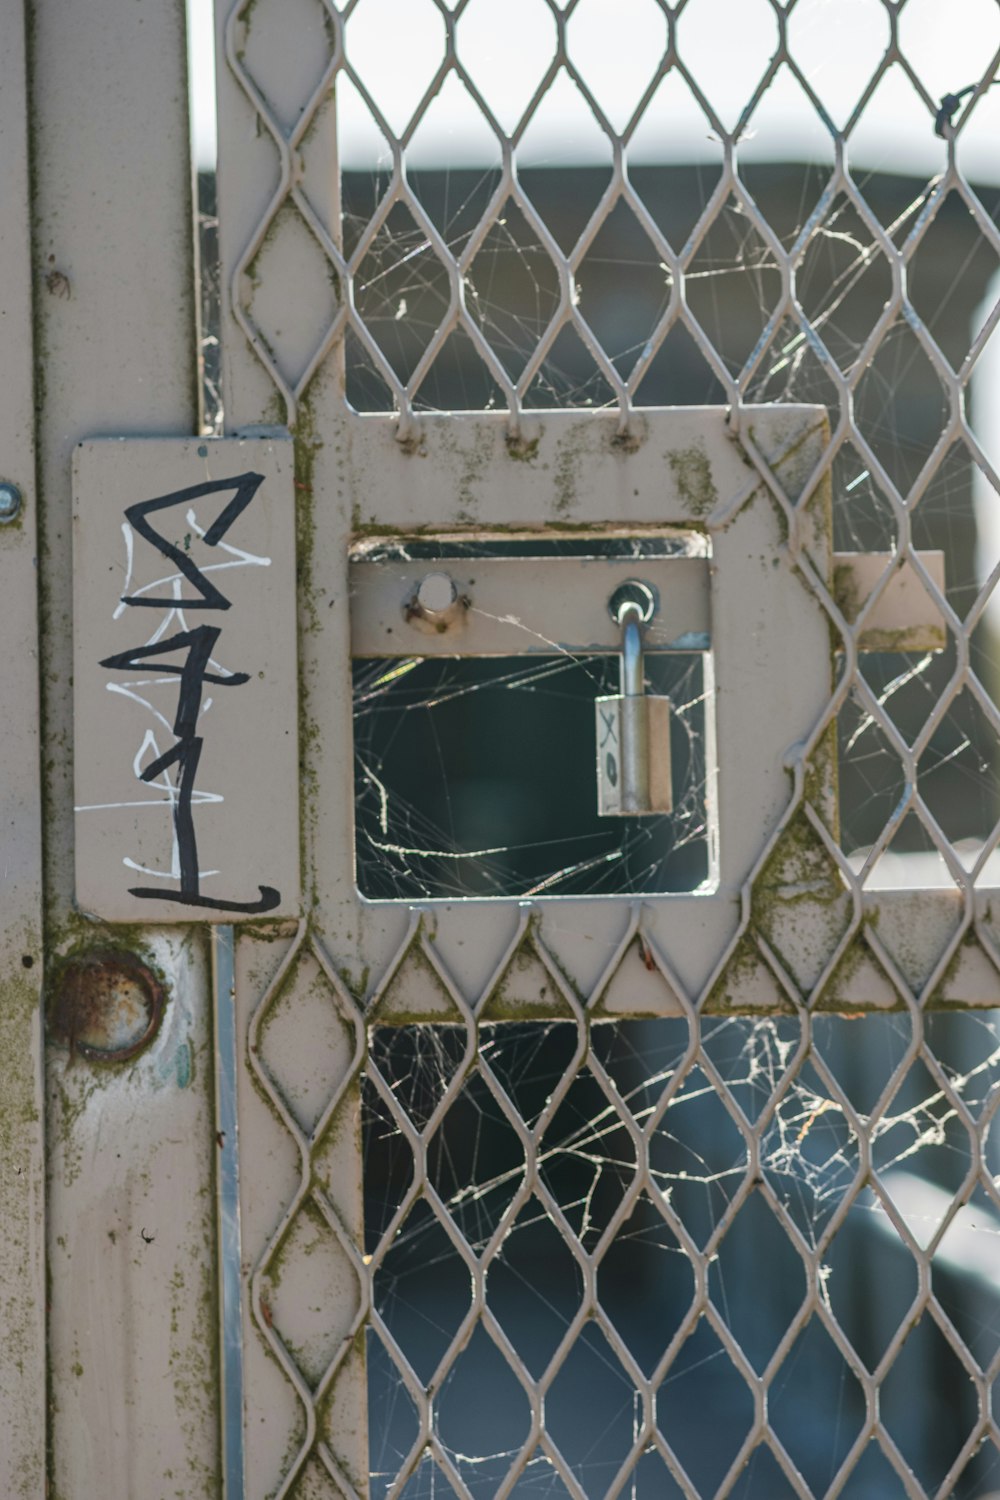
x=111, y=350
x=264, y=158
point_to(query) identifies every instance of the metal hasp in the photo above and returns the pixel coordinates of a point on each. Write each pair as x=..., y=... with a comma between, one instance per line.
x=633, y=727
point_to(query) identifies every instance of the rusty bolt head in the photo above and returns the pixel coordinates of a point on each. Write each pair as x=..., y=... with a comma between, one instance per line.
x=104, y=1005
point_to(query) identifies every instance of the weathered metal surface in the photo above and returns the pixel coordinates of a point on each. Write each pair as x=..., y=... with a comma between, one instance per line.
x=105, y=1005
x=23, y=1419
x=185, y=680
x=134, y=1307
x=229, y=1244
x=130, y=1231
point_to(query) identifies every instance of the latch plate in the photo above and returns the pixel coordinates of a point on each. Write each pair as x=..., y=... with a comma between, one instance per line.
x=520, y=605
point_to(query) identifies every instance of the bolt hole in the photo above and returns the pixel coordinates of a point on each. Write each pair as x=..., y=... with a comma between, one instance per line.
x=27, y=961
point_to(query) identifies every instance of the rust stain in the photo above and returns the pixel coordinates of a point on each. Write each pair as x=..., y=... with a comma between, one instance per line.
x=105, y=1005
x=646, y=953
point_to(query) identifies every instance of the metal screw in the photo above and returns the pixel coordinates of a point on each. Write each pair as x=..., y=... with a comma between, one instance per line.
x=10, y=502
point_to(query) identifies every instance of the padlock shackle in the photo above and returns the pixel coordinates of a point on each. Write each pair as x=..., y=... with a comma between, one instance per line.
x=632, y=674
x=635, y=736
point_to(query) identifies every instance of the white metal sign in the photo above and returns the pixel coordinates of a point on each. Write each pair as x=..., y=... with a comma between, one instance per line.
x=185, y=696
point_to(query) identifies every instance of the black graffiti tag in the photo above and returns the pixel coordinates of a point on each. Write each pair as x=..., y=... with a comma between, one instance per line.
x=193, y=672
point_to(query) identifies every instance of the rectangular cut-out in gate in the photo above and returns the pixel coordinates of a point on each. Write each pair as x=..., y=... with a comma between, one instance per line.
x=477, y=764
x=185, y=679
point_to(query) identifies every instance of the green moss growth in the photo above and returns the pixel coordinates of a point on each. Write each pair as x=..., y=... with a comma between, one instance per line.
x=692, y=473
x=728, y=995
x=522, y=450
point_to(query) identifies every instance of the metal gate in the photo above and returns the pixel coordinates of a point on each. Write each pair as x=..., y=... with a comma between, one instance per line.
x=555, y=1137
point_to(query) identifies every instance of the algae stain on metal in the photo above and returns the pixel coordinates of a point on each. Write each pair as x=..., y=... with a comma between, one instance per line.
x=471, y=465
x=307, y=446
x=193, y=1361
x=20, y=1205
x=692, y=473
x=566, y=478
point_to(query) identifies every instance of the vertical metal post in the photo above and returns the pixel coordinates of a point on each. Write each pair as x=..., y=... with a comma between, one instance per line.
x=228, y=1199
x=113, y=306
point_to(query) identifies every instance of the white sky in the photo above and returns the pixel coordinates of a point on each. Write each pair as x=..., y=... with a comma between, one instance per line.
x=396, y=45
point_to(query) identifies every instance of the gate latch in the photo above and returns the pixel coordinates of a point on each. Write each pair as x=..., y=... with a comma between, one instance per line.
x=633, y=727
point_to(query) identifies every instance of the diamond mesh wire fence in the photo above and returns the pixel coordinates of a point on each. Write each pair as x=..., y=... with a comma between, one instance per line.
x=716, y=1246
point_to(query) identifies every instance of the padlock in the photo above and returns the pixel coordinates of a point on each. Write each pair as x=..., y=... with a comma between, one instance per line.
x=633, y=726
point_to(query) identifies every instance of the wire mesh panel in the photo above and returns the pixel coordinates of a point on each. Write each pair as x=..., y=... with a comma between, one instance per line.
x=682, y=1183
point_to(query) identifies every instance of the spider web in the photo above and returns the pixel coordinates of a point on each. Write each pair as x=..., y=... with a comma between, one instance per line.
x=809, y=1158
x=453, y=756
x=810, y=1105
x=844, y=274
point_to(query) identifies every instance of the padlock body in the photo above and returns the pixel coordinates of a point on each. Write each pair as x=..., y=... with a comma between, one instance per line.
x=633, y=756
